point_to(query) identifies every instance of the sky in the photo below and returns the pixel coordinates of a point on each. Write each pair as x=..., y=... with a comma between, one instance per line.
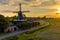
x=36, y=7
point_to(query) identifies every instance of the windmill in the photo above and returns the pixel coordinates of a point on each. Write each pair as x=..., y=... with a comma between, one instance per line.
x=20, y=15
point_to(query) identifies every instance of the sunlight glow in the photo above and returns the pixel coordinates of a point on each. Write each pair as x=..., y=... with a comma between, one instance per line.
x=59, y=10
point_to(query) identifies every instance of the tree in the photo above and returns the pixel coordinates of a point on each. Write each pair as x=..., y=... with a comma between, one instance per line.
x=3, y=23
x=7, y=19
x=24, y=16
x=13, y=18
x=44, y=17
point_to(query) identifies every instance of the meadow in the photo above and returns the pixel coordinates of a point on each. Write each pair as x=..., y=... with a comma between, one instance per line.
x=40, y=34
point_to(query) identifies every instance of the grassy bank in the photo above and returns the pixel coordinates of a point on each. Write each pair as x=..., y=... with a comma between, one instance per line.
x=30, y=35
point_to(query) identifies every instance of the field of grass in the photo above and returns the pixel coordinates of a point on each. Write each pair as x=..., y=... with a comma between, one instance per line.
x=31, y=35
x=53, y=32
x=42, y=22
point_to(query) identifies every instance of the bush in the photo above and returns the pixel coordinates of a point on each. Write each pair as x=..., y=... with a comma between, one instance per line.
x=27, y=25
x=3, y=23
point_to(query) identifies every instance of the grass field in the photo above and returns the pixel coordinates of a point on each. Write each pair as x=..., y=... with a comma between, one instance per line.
x=53, y=33
x=49, y=33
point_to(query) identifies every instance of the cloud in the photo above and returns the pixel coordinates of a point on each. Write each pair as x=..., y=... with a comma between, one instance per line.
x=32, y=3
x=58, y=2
x=39, y=3
x=29, y=0
x=36, y=9
x=4, y=2
x=48, y=3
x=12, y=4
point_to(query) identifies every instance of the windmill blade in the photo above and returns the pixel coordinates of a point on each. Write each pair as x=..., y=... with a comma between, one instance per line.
x=14, y=11
x=22, y=11
x=25, y=11
x=8, y=11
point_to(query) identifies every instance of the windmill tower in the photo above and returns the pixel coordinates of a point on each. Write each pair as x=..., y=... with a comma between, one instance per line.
x=20, y=16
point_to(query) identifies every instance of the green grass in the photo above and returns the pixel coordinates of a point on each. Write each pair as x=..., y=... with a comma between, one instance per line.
x=42, y=22
x=30, y=35
x=2, y=34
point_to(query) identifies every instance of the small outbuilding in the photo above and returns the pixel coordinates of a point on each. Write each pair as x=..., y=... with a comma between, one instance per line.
x=11, y=28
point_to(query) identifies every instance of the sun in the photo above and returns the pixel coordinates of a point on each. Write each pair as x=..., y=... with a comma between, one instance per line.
x=58, y=11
